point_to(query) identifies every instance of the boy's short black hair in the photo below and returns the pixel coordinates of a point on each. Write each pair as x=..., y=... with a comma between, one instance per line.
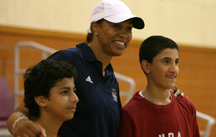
x=154, y=45
x=40, y=78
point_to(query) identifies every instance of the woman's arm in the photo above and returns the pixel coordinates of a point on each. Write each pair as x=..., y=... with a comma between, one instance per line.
x=24, y=126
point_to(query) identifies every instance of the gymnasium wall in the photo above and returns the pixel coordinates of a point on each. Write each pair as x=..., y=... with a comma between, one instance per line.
x=187, y=21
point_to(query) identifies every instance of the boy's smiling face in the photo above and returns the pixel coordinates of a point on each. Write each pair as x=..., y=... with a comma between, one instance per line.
x=164, y=69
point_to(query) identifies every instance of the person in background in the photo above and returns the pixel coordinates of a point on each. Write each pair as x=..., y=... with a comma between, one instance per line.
x=97, y=113
x=155, y=111
x=49, y=94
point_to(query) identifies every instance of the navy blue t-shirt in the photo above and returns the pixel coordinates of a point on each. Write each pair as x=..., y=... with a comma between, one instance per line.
x=97, y=113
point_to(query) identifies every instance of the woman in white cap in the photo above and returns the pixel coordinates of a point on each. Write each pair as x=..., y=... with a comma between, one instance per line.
x=97, y=113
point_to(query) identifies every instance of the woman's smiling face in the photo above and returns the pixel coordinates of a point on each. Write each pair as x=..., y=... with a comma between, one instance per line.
x=114, y=38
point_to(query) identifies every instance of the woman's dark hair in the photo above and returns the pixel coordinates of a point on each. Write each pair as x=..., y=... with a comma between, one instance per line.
x=89, y=36
x=40, y=78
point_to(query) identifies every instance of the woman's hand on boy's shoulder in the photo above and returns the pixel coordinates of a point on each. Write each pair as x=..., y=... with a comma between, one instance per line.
x=177, y=92
x=28, y=128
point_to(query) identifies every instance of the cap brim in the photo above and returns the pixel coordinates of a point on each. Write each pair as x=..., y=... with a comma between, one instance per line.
x=138, y=23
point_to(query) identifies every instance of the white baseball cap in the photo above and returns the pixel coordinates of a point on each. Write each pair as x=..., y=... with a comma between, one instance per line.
x=114, y=11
